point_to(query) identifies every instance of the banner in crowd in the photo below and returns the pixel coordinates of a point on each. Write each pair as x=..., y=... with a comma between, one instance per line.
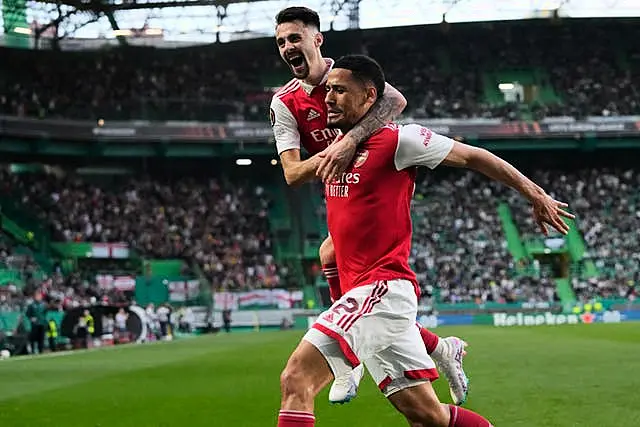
x=110, y=250
x=145, y=131
x=122, y=283
x=183, y=290
x=93, y=250
x=280, y=298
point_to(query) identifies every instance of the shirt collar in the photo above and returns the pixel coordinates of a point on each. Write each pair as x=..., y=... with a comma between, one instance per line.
x=308, y=87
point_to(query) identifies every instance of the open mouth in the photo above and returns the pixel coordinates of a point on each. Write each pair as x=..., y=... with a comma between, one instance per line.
x=333, y=113
x=296, y=60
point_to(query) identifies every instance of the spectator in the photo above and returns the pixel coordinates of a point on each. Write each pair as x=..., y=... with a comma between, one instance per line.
x=218, y=224
x=37, y=314
x=579, y=66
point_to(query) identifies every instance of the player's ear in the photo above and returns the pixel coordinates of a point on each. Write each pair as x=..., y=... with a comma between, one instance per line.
x=318, y=39
x=371, y=94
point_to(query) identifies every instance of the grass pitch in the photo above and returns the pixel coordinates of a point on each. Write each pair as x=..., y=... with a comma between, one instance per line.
x=573, y=375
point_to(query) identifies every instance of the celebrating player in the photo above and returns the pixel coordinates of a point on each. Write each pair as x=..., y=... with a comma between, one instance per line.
x=369, y=219
x=298, y=116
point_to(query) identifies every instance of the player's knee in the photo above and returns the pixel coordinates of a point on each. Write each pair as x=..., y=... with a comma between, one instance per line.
x=327, y=253
x=435, y=416
x=426, y=416
x=293, y=381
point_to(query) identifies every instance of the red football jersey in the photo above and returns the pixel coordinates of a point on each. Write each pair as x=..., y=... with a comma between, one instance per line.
x=298, y=115
x=368, y=207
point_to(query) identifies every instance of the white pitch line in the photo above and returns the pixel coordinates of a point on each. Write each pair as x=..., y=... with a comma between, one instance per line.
x=78, y=351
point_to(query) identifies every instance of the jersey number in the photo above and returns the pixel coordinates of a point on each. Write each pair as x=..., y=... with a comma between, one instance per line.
x=350, y=305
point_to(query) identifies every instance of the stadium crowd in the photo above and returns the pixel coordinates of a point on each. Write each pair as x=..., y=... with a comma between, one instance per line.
x=459, y=249
x=23, y=278
x=583, y=69
x=12, y=292
x=607, y=205
x=218, y=224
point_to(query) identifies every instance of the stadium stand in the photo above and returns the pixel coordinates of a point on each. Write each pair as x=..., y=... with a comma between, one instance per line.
x=11, y=277
x=219, y=224
x=574, y=72
x=606, y=203
x=474, y=241
x=142, y=196
x=20, y=273
x=460, y=247
x=21, y=276
x=459, y=250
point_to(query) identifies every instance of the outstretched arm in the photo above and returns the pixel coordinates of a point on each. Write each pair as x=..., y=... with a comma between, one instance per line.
x=487, y=163
x=419, y=146
x=338, y=156
x=546, y=210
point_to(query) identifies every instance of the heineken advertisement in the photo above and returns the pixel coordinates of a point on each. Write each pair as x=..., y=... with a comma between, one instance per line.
x=541, y=319
x=546, y=318
x=502, y=320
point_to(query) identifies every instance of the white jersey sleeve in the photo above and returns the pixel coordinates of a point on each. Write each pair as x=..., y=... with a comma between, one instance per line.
x=420, y=146
x=285, y=126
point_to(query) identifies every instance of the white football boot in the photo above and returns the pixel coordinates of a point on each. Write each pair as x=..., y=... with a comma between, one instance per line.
x=345, y=387
x=448, y=357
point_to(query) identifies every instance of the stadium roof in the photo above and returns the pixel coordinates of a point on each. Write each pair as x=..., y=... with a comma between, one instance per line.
x=205, y=21
x=196, y=21
x=111, y=5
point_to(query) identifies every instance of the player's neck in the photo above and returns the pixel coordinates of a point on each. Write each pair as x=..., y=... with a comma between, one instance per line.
x=345, y=129
x=317, y=71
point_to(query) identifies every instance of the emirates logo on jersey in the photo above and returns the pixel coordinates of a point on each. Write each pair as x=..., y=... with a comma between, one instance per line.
x=324, y=136
x=361, y=157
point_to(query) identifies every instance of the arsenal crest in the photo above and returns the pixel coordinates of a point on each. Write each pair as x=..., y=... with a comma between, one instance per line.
x=361, y=157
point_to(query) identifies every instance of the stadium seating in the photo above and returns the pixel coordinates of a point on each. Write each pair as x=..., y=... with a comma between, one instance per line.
x=576, y=69
x=460, y=250
x=607, y=204
x=19, y=273
x=187, y=227
x=218, y=224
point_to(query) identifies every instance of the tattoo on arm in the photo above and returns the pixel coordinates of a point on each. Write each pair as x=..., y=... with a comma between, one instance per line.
x=382, y=112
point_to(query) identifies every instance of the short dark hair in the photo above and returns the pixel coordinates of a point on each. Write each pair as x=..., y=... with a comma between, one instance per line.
x=365, y=69
x=298, y=13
